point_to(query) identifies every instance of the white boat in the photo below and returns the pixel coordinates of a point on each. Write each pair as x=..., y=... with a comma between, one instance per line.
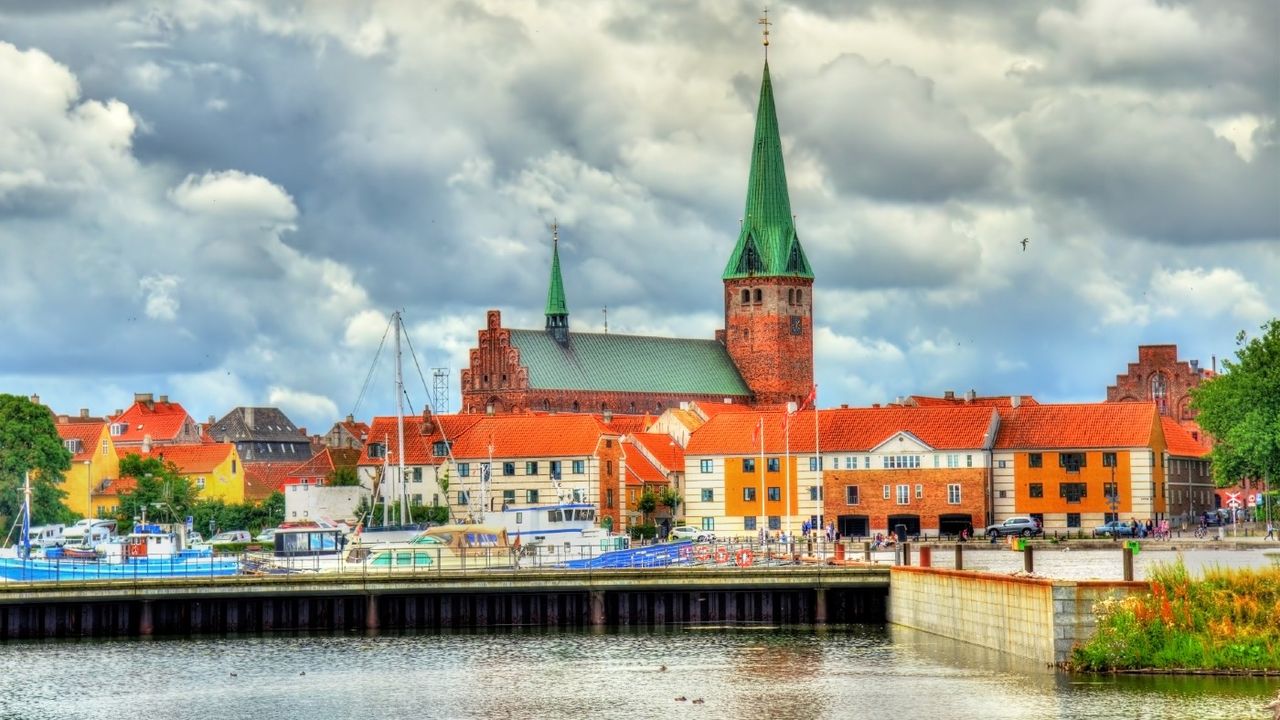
x=312, y=548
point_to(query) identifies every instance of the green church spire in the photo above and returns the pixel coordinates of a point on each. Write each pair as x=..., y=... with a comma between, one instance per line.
x=768, y=244
x=557, y=308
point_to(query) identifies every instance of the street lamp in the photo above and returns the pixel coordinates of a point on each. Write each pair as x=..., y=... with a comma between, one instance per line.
x=88, y=487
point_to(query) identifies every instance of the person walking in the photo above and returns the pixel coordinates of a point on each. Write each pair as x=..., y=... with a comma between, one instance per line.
x=1271, y=531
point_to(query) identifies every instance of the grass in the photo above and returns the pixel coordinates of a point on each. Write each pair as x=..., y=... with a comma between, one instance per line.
x=1228, y=621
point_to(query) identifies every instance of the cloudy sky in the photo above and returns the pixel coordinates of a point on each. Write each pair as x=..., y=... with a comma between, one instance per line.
x=223, y=200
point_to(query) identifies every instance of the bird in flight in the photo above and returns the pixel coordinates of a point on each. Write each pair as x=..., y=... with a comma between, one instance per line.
x=1024, y=243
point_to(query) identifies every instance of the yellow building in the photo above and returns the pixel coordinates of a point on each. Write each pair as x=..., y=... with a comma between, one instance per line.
x=214, y=469
x=93, y=462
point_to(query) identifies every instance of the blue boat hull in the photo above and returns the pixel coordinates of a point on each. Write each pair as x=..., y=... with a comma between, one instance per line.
x=674, y=553
x=69, y=570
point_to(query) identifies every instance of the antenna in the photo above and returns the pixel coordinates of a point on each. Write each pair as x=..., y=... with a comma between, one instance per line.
x=440, y=390
x=605, y=310
x=765, y=22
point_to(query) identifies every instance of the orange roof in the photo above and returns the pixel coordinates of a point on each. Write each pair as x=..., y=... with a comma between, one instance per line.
x=190, y=458
x=516, y=436
x=163, y=421
x=1179, y=442
x=989, y=401
x=358, y=429
x=1082, y=425
x=325, y=462
x=663, y=449
x=417, y=446
x=623, y=424
x=116, y=486
x=842, y=430
x=640, y=470
x=263, y=478
x=87, y=433
x=712, y=409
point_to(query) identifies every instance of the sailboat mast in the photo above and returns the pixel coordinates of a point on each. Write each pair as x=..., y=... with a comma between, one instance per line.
x=404, y=492
x=385, y=486
x=26, y=514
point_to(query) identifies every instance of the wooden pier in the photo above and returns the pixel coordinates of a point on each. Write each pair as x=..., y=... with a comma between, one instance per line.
x=787, y=595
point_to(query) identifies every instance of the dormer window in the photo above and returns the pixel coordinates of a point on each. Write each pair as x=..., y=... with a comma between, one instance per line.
x=440, y=448
x=377, y=450
x=117, y=429
x=73, y=445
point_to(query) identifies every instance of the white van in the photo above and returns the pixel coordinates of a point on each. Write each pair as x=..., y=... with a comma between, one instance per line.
x=46, y=536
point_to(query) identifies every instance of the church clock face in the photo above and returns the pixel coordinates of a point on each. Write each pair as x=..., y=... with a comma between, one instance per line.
x=797, y=327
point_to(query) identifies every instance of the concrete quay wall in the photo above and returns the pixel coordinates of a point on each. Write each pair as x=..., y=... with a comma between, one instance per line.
x=1033, y=618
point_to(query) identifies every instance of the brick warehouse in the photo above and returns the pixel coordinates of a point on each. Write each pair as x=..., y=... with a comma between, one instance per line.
x=763, y=355
x=1160, y=377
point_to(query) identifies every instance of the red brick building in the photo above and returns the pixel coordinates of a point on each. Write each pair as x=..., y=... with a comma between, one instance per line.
x=1160, y=377
x=764, y=353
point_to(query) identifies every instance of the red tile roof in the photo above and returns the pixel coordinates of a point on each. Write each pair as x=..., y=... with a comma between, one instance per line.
x=843, y=429
x=1083, y=425
x=1179, y=442
x=989, y=401
x=711, y=409
x=357, y=429
x=88, y=433
x=263, y=478
x=623, y=424
x=641, y=471
x=663, y=449
x=163, y=421
x=323, y=463
x=517, y=436
x=189, y=458
x=417, y=445
x=115, y=486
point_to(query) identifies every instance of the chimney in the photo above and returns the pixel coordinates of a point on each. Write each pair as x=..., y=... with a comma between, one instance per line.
x=117, y=413
x=164, y=398
x=211, y=421
x=84, y=412
x=351, y=418
x=248, y=417
x=875, y=405
x=1015, y=401
x=63, y=419
x=1195, y=367
x=971, y=395
x=949, y=395
x=35, y=399
x=844, y=406
x=142, y=398
x=428, y=424
x=1215, y=364
x=608, y=416
x=146, y=443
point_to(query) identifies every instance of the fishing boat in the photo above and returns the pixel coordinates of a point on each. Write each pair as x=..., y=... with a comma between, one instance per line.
x=149, y=551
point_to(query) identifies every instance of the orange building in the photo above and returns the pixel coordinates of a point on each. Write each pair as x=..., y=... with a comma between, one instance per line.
x=1074, y=466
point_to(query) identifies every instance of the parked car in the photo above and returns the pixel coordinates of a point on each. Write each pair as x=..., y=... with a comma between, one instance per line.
x=46, y=536
x=1020, y=525
x=268, y=535
x=689, y=532
x=1115, y=528
x=230, y=537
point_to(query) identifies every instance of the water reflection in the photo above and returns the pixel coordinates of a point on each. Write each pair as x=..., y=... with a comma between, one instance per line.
x=862, y=672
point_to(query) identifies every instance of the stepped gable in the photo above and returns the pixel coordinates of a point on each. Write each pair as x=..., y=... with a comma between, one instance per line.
x=1081, y=425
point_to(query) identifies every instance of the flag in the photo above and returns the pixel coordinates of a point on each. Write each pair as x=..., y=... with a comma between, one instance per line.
x=755, y=433
x=813, y=395
x=484, y=472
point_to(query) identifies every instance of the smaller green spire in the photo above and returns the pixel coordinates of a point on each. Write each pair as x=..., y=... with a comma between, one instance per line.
x=557, y=307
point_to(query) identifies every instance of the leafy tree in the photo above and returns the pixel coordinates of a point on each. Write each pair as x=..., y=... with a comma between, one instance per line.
x=1241, y=409
x=647, y=503
x=29, y=442
x=670, y=499
x=343, y=477
x=161, y=491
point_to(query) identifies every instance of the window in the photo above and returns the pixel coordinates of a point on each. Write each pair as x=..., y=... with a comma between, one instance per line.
x=1109, y=491
x=608, y=467
x=199, y=483
x=748, y=464
x=850, y=462
x=749, y=523
x=866, y=462
x=555, y=469
x=886, y=492
x=104, y=450
x=919, y=491
x=531, y=496
x=508, y=497
x=72, y=445
x=508, y=468
x=608, y=498
x=774, y=464
x=815, y=492
x=775, y=494
x=579, y=466
x=904, y=494
x=814, y=463
x=417, y=474
x=756, y=295
x=953, y=493
x=1036, y=490
x=416, y=499
x=953, y=461
x=708, y=495
x=464, y=497
x=531, y=468
x=775, y=522
x=440, y=448
x=748, y=494
x=1072, y=462
x=746, y=296
x=968, y=461
x=1073, y=492
x=1003, y=494
x=1001, y=464
x=799, y=296
x=464, y=469
x=1035, y=460
x=895, y=462
x=851, y=494
x=608, y=443
x=377, y=450
x=1073, y=520
x=706, y=466
x=708, y=523
x=1108, y=459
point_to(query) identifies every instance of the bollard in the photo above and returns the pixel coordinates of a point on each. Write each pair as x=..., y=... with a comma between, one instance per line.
x=926, y=556
x=866, y=550
x=1028, y=560
x=906, y=553
x=1127, y=555
x=840, y=551
x=959, y=556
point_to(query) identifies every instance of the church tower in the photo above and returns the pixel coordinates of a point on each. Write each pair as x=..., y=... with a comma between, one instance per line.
x=768, y=283
x=557, y=307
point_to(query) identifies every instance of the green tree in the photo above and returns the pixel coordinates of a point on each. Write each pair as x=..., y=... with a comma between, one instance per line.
x=670, y=499
x=647, y=503
x=161, y=490
x=343, y=477
x=1241, y=409
x=29, y=442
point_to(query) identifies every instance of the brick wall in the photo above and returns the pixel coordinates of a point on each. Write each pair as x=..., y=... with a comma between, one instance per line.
x=935, y=501
x=1178, y=377
x=775, y=361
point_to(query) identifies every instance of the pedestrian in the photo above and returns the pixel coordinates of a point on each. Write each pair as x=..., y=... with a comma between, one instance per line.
x=1271, y=531
x=831, y=531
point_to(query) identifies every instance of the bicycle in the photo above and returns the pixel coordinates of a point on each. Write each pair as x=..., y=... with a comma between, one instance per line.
x=1201, y=531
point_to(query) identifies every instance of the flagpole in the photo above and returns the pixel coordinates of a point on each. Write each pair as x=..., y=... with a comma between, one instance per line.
x=817, y=450
x=786, y=476
x=763, y=517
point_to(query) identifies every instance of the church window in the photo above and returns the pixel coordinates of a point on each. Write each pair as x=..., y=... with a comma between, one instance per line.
x=504, y=378
x=799, y=297
x=791, y=296
x=794, y=262
x=486, y=379
x=746, y=296
x=575, y=406
x=546, y=404
x=757, y=296
x=633, y=407
x=1158, y=389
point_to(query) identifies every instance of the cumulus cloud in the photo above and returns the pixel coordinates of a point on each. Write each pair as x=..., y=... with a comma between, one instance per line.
x=159, y=291
x=1209, y=293
x=302, y=404
x=232, y=193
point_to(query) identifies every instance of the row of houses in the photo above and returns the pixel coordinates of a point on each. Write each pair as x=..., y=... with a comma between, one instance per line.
x=931, y=464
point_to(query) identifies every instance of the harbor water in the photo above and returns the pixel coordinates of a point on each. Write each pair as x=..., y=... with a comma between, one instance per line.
x=734, y=672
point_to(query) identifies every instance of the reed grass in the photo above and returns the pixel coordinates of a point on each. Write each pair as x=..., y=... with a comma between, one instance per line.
x=1226, y=621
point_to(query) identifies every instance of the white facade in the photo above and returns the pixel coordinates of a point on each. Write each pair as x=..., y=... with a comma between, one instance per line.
x=315, y=502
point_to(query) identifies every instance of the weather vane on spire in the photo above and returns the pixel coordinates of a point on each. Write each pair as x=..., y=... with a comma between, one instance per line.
x=765, y=22
x=555, y=231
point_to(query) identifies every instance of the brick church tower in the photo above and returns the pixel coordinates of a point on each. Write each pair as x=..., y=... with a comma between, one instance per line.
x=768, y=283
